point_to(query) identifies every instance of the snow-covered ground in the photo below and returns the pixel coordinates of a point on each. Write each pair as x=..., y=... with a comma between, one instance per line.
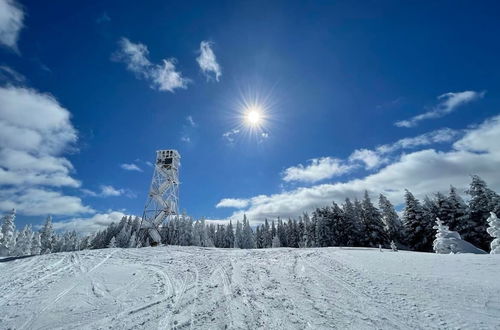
x=191, y=287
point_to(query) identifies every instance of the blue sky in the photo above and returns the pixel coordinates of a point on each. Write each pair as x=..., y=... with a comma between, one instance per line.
x=335, y=81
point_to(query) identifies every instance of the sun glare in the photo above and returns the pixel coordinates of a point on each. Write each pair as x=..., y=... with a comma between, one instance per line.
x=253, y=116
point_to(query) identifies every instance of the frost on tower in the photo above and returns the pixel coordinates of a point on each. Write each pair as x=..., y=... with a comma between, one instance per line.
x=163, y=197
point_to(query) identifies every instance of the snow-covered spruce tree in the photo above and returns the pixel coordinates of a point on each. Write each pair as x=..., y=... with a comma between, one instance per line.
x=132, y=241
x=394, y=247
x=112, y=242
x=373, y=227
x=276, y=242
x=23, y=242
x=446, y=240
x=268, y=239
x=481, y=202
x=352, y=222
x=36, y=245
x=7, y=243
x=46, y=236
x=494, y=231
x=320, y=217
x=454, y=213
x=390, y=218
x=238, y=240
x=416, y=225
x=230, y=235
x=123, y=238
x=248, y=239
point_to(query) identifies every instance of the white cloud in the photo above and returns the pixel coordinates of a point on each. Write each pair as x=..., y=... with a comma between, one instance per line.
x=370, y=158
x=422, y=172
x=317, y=170
x=34, y=131
x=233, y=202
x=91, y=224
x=10, y=75
x=207, y=61
x=448, y=103
x=11, y=23
x=191, y=121
x=40, y=201
x=185, y=139
x=109, y=191
x=130, y=167
x=229, y=136
x=382, y=154
x=163, y=77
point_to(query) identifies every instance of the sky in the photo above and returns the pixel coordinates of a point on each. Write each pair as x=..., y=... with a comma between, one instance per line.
x=350, y=96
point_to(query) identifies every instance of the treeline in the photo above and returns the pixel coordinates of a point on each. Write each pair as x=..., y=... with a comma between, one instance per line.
x=352, y=223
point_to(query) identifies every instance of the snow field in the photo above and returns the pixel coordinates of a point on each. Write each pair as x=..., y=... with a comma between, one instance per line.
x=208, y=288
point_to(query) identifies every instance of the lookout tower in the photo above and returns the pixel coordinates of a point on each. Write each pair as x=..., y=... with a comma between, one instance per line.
x=163, y=197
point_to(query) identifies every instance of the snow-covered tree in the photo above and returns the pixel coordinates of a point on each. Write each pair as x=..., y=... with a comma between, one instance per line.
x=373, y=227
x=8, y=242
x=238, y=236
x=390, y=218
x=352, y=220
x=229, y=235
x=416, y=225
x=23, y=242
x=36, y=245
x=480, y=205
x=276, y=242
x=494, y=231
x=46, y=236
x=112, y=243
x=132, y=242
x=248, y=239
x=446, y=240
x=123, y=238
x=394, y=247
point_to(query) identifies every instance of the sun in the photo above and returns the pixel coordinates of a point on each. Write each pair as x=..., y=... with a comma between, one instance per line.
x=253, y=116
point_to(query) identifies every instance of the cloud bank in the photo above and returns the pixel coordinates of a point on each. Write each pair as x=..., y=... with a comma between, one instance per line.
x=426, y=171
x=448, y=103
x=35, y=130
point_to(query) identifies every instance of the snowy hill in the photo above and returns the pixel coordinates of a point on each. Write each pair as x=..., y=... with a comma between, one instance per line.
x=192, y=287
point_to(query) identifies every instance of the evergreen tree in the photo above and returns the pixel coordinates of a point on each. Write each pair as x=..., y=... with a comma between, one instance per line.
x=352, y=223
x=230, y=235
x=416, y=225
x=276, y=242
x=480, y=205
x=46, y=236
x=455, y=211
x=132, y=242
x=248, y=239
x=446, y=241
x=373, y=227
x=112, y=242
x=391, y=220
x=8, y=242
x=36, y=244
x=494, y=231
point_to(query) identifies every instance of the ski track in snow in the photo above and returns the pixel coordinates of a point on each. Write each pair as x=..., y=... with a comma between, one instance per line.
x=208, y=288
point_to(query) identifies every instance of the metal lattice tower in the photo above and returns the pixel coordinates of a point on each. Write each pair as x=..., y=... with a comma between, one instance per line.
x=163, y=197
